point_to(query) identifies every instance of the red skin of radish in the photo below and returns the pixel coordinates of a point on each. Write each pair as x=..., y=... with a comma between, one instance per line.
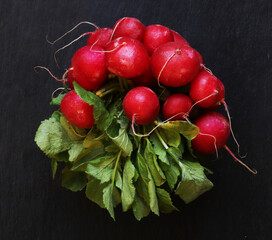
x=101, y=37
x=204, y=85
x=70, y=79
x=129, y=60
x=199, y=58
x=89, y=67
x=214, y=124
x=155, y=36
x=143, y=104
x=179, y=38
x=77, y=111
x=177, y=103
x=145, y=79
x=181, y=69
x=129, y=27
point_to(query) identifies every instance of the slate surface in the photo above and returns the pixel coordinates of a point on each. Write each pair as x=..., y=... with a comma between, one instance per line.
x=234, y=38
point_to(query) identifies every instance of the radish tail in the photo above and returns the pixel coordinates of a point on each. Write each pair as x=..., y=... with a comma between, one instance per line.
x=92, y=24
x=41, y=67
x=254, y=171
x=67, y=45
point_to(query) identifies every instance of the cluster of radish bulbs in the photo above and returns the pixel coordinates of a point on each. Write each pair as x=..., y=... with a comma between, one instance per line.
x=149, y=57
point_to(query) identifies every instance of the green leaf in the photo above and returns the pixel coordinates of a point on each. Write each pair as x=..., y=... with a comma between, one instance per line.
x=189, y=146
x=71, y=129
x=51, y=138
x=151, y=160
x=171, y=137
x=117, y=131
x=159, y=149
x=193, y=182
x=146, y=186
x=57, y=100
x=94, y=192
x=100, y=113
x=108, y=199
x=172, y=174
x=88, y=156
x=75, y=150
x=165, y=202
x=185, y=128
x=128, y=189
x=140, y=208
x=101, y=168
x=75, y=181
x=57, y=115
x=60, y=157
x=54, y=167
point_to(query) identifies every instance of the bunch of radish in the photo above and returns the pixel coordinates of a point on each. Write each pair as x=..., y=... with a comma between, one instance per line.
x=159, y=78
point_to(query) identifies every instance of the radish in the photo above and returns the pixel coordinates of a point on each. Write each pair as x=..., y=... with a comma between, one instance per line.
x=214, y=131
x=206, y=90
x=174, y=64
x=179, y=38
x=89, y=67
x=70, y=79
x=77, y=111
x=156, y=35
x=199, y=58
x=145, y=79
x=100, y=37
x=128, y=27
x=141, y=105
x=177, y=107
x=126, y=57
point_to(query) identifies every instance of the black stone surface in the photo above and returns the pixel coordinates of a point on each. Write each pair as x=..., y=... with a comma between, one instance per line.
x=234, y=38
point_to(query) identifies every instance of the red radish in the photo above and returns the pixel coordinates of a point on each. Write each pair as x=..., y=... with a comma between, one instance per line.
x=179, y=38
x=213, y=124
x=77, y=111
x=141, y=105
x=145, y=79
x=174, y=64
x=214, y=131
x=100, y=37
x=199, y=58
x=156, y=35
x=89, y=67
x=178, y=105
x=70, y=79
x=205, y=91
x=128, y=27
x=126, y=57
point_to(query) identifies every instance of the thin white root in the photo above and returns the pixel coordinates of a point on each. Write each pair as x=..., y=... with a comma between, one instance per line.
x=92, y=24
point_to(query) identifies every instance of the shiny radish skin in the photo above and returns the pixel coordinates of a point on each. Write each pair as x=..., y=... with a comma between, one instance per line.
x=141, y=105
x=100, y=37
x=200, y=58
x=155, y=36
x=217, y=127
x=179, y=38
x=127, y=57
x=204, y=90
x=175, y=64
x=70, y=79
x=178, y=105
x=89, y=67
x=129, y=27
x=77, y=111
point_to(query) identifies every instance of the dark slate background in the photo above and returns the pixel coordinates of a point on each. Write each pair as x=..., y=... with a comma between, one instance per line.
x=234, y=38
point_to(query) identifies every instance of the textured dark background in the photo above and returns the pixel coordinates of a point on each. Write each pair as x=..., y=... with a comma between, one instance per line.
x=234, y=38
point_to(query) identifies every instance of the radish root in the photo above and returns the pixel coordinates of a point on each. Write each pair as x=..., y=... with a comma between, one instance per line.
x=92, y=24
x=67, y=45
x=254, y=171
x=41, y=67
